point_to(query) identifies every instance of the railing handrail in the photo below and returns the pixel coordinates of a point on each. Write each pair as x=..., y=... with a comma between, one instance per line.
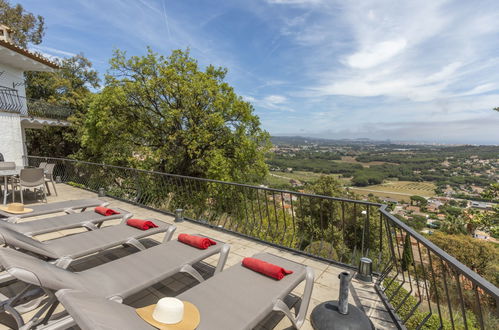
x=216, y=181
x=456, y=264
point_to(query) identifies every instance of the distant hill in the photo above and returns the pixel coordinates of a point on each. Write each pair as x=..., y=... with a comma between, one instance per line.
x=300, y=140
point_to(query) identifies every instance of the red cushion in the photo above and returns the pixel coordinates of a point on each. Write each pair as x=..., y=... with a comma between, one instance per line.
x=266, y=268
x=141, y=224
x=196, y=241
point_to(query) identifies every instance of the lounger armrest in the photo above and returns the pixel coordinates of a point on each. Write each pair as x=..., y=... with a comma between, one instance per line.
x=169, y=233
x=302, y=312
x=224, y=253
x=125, y=217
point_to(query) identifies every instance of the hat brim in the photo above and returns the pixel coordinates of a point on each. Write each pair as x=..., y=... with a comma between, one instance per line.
x=6, y=209
x=190, y=321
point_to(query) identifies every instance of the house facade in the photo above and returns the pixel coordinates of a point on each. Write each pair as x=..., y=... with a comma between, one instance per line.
x=17, y=113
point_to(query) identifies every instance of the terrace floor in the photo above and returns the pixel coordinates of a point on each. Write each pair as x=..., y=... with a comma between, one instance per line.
x=326, y=275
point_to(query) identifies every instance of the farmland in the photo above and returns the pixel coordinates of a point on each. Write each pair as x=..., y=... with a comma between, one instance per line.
x=399, y=190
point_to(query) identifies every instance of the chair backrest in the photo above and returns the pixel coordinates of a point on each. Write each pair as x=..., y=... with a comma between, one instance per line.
x=49, y=170
x=32, y=177
x=7, y=165
x=42, y=165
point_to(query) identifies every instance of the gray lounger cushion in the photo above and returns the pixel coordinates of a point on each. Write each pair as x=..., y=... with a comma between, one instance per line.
x=48, y=208
x=237, y=298
x=67, y=221
x=119, y=278
x=81, y=244
x=91, y=312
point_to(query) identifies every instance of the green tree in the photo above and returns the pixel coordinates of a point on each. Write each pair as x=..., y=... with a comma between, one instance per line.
x=69, y=87
x=453, y=224
x=26, y=27
x=407, y=257
x=166, y=114
x=419, y=201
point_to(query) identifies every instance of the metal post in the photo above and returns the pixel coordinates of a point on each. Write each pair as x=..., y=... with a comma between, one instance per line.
x=343, y=297
x=179, y=217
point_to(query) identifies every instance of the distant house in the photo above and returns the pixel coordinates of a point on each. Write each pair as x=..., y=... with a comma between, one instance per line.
x=390, y=200
x=413, y=208
x=481, y=205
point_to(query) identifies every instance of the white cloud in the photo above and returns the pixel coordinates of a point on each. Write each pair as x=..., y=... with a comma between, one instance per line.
x=270, y=102
x=376, y=54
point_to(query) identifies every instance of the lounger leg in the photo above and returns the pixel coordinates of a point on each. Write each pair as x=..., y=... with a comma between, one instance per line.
x=191, y=271
x=21, y=192
x=224, y=253
x=307, y=294
x=135, y=242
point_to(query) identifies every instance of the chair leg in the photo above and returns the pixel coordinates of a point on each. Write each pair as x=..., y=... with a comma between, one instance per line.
x=48, y=189
x=53, y=185
x=44, y=194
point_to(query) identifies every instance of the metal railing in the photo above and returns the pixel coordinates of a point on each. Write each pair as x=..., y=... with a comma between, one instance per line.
x=44, y=109
x=430, y=289
x=11, y=101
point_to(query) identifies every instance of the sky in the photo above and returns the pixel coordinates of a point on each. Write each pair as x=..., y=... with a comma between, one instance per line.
x=422, y=71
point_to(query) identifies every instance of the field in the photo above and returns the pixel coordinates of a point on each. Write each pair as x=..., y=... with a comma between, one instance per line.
x=352, y=160
x=399, y=190
x=279, y=178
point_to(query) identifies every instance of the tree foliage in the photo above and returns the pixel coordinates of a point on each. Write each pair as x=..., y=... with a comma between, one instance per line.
x=26, y=27
x=166, y=114
x=70, y=87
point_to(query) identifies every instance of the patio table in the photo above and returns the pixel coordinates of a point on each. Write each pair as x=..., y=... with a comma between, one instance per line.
x=6, y=174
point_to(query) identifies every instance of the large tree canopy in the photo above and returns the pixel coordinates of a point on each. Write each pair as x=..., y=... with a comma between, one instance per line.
x=26, y=27
x=166, y=114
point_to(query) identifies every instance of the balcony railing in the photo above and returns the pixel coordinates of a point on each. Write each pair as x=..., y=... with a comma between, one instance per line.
x=11, y=101
x=432, y=290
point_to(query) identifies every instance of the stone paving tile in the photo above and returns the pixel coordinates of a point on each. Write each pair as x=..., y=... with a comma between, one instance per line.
x=326, y=275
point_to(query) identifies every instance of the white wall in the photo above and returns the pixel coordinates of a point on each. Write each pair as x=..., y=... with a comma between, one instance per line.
x=11, y=138
x=11, y=133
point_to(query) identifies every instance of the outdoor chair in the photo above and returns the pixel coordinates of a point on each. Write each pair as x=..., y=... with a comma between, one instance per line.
x=237, y=298
x=88, y=220
x=32, y=178
x=8, y=166
x=49, y=177
x=115, y=279
x=70, y=206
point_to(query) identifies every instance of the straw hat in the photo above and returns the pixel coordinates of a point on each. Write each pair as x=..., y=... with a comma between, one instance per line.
x=15, y=208
x=190, y=320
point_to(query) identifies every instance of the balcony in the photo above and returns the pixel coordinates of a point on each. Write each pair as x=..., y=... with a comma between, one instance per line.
x=433, y=290
x=11, y=101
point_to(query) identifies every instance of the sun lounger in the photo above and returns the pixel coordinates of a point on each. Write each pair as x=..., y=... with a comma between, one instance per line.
x=116, y=279
x=65, y=249
x=89, y=220
x=65, y=206
x=237, y=298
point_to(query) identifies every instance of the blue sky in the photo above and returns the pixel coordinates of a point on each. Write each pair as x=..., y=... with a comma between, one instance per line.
x=402, y=70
